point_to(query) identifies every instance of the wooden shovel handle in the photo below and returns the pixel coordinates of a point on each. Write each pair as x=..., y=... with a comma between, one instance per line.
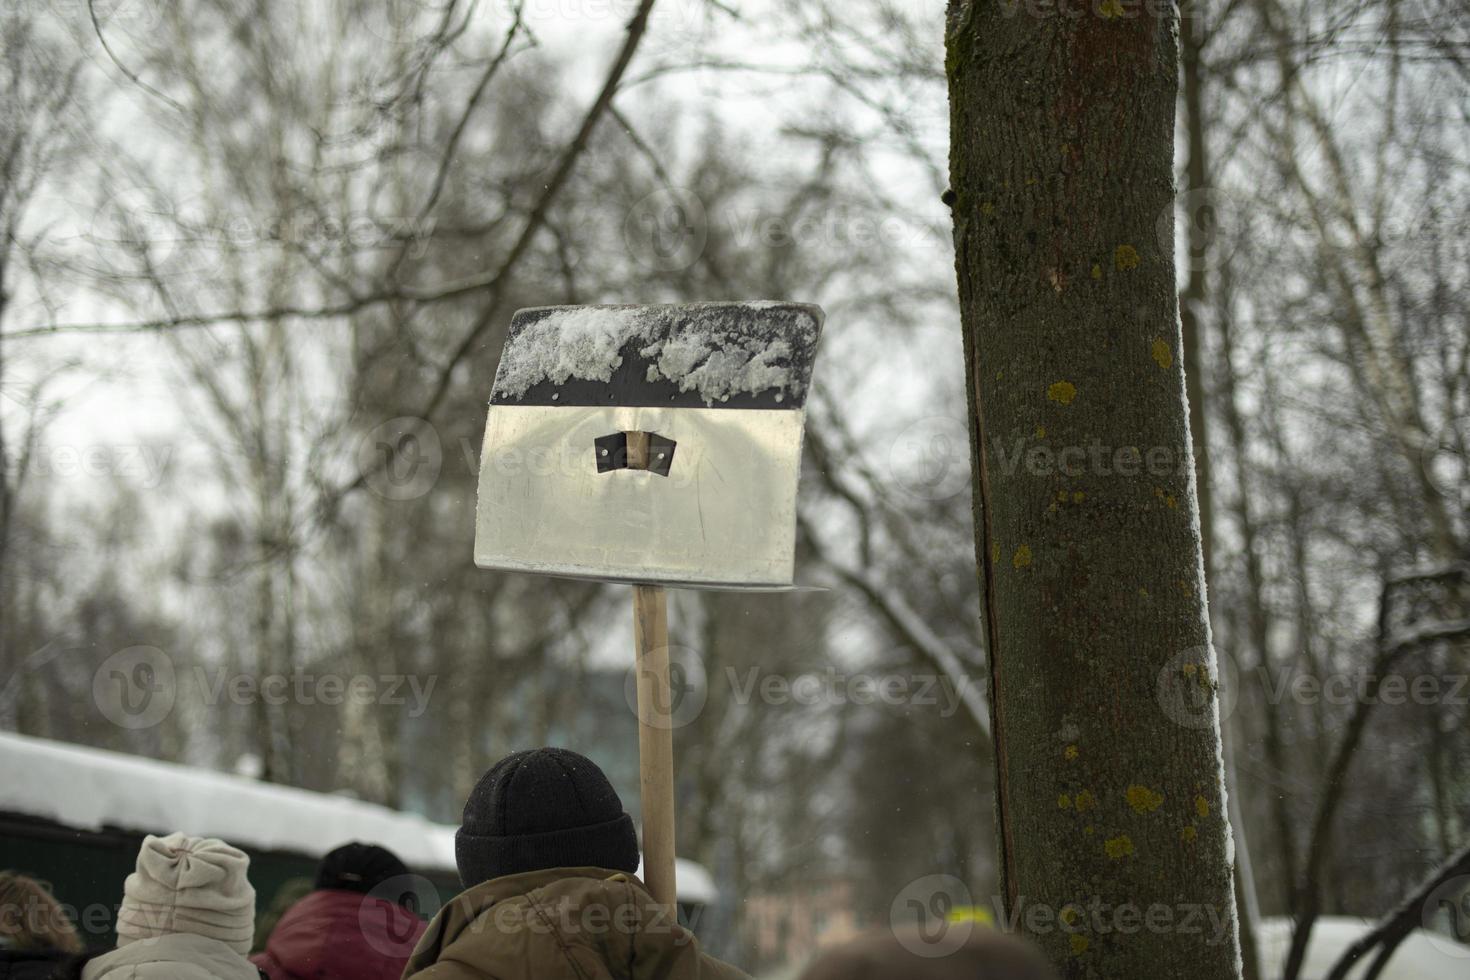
x=638, y=460
x=655, y=739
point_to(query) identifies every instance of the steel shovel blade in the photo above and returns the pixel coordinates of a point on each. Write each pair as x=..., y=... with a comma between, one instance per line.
x=657, y=444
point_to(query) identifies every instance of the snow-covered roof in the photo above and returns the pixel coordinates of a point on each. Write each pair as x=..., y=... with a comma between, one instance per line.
x=89, y=789
x=1421, y=956
x=693, y=883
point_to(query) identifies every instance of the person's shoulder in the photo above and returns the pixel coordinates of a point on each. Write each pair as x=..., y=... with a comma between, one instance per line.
x=451, y=968
x=75, y=966
x=587, y=887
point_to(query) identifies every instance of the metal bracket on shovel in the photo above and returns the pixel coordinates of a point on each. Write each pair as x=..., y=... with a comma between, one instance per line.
x=635, y=451
x=725, y=384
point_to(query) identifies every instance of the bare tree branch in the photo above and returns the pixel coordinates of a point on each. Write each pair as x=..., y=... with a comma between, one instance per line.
x=1395, y=927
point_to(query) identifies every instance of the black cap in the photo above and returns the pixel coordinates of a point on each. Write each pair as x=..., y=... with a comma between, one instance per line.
x=543, y=808
x=358, y=867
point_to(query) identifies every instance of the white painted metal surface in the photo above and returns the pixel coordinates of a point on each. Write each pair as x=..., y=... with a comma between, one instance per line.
x=724, y=517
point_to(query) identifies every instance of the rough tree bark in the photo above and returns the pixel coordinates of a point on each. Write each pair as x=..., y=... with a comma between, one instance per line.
x=1114, y=847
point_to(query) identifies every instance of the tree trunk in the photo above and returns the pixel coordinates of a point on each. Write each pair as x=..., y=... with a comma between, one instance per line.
x=1202, y=228
x=1114, y=845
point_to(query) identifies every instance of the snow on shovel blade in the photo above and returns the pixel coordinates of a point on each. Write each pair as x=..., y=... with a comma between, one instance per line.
x=655, y=444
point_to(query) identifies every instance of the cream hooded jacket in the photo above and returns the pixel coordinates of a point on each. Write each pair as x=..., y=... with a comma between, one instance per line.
x=180, y=956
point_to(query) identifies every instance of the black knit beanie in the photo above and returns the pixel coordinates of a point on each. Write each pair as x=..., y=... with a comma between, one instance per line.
x=358, y=867
x=544, y=808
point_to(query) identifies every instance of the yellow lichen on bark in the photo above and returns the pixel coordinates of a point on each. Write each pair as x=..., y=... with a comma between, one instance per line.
x=1061, y=392
x=1143, y=800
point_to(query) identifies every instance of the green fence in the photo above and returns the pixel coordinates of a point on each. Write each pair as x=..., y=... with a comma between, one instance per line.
x=86, y=868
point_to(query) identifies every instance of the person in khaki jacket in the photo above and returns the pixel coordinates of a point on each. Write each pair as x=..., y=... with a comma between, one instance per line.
x=546, y=855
